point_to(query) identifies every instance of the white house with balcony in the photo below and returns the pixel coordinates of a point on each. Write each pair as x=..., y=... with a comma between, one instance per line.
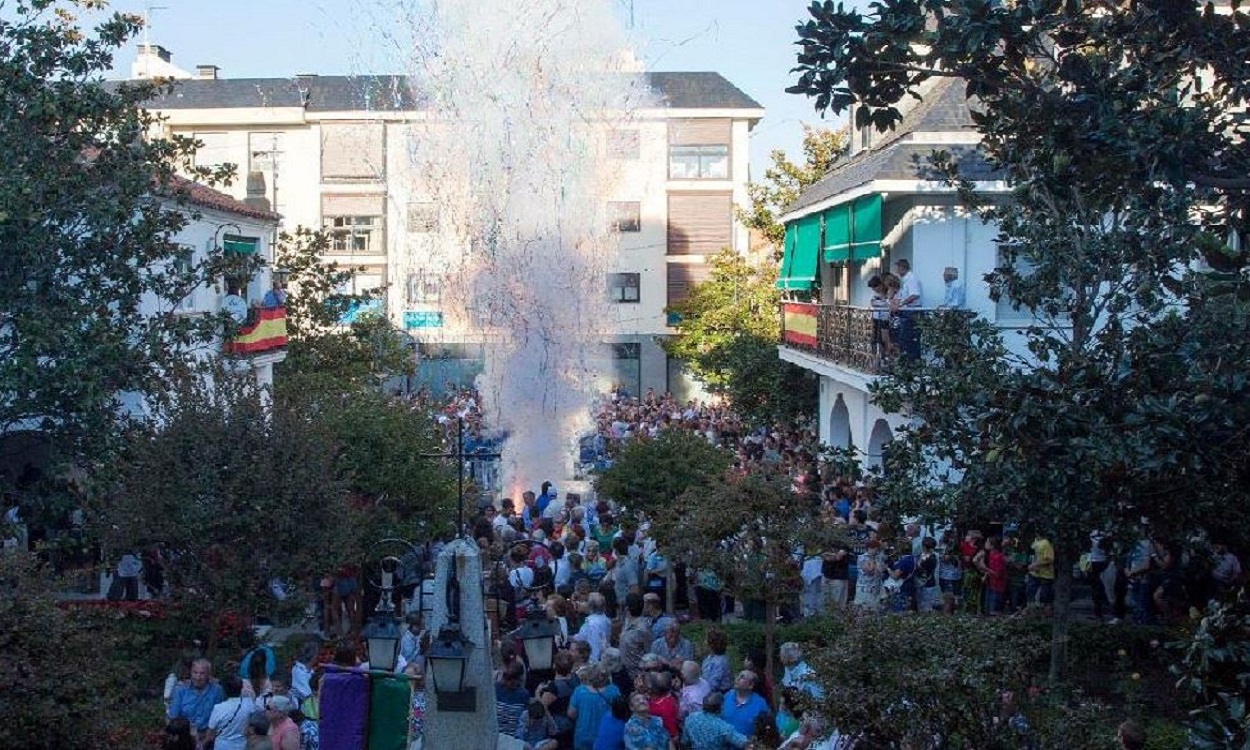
x=883, y=203
x=332, y=152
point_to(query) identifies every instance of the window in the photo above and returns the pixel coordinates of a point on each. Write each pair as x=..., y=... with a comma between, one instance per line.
x=699, y=223
x=350, y=235
x=682, y=277
x=353, y=151
x=423, y=288
x=625, y=216
x=698, y=162
x=265, y=151
x=627, y=366
x=624, y=287
x=423, y=218
x=214, y=149
x=624, y=144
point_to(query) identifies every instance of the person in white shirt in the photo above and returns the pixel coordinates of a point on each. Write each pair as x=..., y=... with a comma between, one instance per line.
x=228, y=718
x=903, y=306
x=597, y=629
x=953, y=299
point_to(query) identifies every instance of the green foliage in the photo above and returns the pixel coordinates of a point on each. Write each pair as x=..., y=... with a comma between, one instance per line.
x=241, y=494
x=370, y=349
x=382, y=447
x=904, y=681
x=1215, y=668
x=785, y=180
x=648, y=474
x=728, y=339
x=63, y=686
x=88, y=209
x=1117, y=127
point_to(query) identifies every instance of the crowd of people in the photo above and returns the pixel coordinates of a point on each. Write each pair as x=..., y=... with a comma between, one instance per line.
x=624, y=673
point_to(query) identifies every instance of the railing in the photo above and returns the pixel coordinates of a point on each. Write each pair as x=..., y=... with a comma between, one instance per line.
x=862, y=338
x=264, y=331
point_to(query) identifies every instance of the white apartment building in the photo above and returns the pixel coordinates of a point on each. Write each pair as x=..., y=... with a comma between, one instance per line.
x=882, y=204
x=330, y=152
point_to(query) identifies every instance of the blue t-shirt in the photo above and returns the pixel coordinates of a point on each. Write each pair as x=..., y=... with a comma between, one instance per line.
x=611, y=733
x=742, y=717
x=196, y=705
x=591, y=707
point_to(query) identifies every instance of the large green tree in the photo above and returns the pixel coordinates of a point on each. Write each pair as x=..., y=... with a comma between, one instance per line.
x=651, y=473
x=88, y=208
x=727, y=337
x=239, y=492
x=784, y=180
x=1118, y=127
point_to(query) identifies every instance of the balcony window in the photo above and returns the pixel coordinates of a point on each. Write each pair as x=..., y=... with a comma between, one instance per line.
x=355, y=235
x=698, y=162
x=624, y=287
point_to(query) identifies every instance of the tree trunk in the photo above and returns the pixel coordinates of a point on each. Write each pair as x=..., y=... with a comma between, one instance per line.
x=1060, y=618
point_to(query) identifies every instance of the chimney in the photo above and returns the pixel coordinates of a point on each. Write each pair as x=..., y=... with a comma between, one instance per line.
x=206, y=72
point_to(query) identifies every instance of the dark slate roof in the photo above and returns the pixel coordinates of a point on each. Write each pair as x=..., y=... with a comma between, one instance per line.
x=943, y=109
x=699, y=91
x=392, y=93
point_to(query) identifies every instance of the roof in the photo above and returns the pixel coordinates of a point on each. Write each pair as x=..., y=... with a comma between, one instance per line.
x=393, y=93
x=943, y=109
x=206, y=197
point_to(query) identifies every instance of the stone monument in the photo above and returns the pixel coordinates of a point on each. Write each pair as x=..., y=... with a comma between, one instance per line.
x=459, y=568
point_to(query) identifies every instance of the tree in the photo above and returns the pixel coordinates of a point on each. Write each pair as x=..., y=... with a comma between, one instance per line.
x=727, y=336
x=746, y=530
x=383, y=448
x=88, y=207
x=368, y=349
x=62, y=689
x=1215, y=668
x=651, y=473
x=239, y=494
x=785, y=180
x=1117, y=126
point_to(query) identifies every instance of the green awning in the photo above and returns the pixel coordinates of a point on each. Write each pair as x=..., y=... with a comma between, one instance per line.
x=233, y=243
x=853, y=230
x=802, y=254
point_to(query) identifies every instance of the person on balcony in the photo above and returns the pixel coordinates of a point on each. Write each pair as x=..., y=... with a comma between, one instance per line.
x=880, y=305
x=953, y=299
x=904, y=306
x=275, y=297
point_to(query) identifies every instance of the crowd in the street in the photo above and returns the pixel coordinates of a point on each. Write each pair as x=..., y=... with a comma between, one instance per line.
x=624, y=673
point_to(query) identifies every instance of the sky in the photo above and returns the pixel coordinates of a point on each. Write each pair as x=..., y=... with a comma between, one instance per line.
x=750, y=42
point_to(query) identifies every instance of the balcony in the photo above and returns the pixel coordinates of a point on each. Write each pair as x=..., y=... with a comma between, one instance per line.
x=860, y=338
x=263, y=331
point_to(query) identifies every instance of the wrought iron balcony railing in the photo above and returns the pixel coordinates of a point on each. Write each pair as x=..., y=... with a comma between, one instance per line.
x=862, y=338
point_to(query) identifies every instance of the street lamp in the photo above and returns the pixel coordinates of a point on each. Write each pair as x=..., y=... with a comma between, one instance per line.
x=538, y=635
x=448, y=661
x=382, y=633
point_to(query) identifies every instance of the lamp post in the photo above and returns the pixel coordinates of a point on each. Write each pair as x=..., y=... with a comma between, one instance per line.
x=460, y=457
x=382, y=633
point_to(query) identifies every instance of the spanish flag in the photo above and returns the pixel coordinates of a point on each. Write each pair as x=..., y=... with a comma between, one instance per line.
x=266, y=331
x=800, y=324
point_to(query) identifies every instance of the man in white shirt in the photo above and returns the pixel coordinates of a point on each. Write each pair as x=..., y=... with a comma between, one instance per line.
x=904, y=306
x=596, y=631
x=954, y=297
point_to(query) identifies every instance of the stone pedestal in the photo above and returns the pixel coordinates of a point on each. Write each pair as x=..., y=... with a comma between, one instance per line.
x=455, y=730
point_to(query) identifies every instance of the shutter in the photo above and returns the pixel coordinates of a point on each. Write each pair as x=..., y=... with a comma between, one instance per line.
x=353, y=205
x=353, y=151
x=701, y=132
x=683, y=276
x=699, y=223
